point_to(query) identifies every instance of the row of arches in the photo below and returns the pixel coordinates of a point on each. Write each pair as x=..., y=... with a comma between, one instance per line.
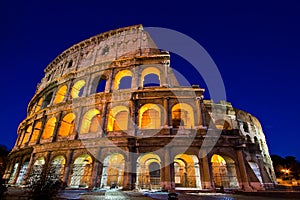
x=150, y=76
x=150, y=116
x=149, y=171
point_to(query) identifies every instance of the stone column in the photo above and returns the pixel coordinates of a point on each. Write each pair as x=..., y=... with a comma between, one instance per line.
x=168, y=179
x=57, y=126
x=29, y=169
x=198, y=109
x=207, y=178
x=243, y=172
x=66, y=176
x=44, y=121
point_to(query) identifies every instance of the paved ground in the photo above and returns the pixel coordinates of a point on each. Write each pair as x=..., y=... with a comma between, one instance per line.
x=20, y=194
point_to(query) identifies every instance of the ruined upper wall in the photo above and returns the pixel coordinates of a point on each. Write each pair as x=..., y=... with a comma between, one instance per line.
x=128, y=42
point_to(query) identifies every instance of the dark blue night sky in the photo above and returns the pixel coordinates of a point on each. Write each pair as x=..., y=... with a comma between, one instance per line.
x=255, y=45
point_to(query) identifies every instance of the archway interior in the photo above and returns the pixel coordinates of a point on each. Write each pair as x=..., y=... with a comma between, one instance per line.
x=148, y=172
x=224, y=172
x=150, y=116
x=38, y=167
x=187, y=172
x=182, y=115
x=118, y=119
x=22, y=172
x=113, y=171
x=57, y=167
x=82, y=170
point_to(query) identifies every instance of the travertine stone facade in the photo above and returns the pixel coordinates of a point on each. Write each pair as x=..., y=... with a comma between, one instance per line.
x=109, y=111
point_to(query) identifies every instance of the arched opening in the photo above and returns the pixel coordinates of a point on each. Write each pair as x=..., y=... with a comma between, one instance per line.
x=91, y=122
x=118, y=119
x=36, y=132
x=148, y=172
x=98, y=85
x=113, y=171
x=182, y=115
x=49, y=128
x=123, y=80
x=60, y=94
x=82, y=171
x=27, y=133
x=224, y=172
x=47, y=100
x=22, y=172
x=39, y=104
x=150, y=77
x=151, y=80
x=187, y=172
x=222, y=125
x=67, y=125
x=37, y=168
x=57, y=168
x=77, y=89
x=13, y=173
x=150, y=117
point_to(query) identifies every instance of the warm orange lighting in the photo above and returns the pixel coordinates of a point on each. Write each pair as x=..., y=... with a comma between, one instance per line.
x=183, y=113
x=149, y=116
x=118, y=119
x=49, y=128
x=60, y=95
x=149, y=70
x=67, y=125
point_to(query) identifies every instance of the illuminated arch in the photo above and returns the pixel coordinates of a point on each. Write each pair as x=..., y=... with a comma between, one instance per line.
x=57, y=167
x=224, y=171
x=113, y=170
x=38, y=167
x=222, y=125
x=82, y=171
x=49, y=128
x=118, y=119
x=150, y=116
x=183, y=115
x=187, y=172
x=148, y=171
x=27, y=134
x=39, y=104
x=36, y=132
x=60, y=94
x=119, y=76
x=90, y=122
x=77, y=89
x=67, y=125
x=148, y=71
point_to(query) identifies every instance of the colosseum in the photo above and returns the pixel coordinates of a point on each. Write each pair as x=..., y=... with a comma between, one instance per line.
x=110, y=112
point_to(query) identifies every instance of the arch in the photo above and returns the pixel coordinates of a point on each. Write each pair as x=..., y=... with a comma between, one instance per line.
x=60, y=94
x=36, y=132
x=47, y=100
x=113, y=171
x=182, y=115
x=49, y=128
x=57, y=167
x=224, y=172
x=150, y=116
x=82, y=171
x=118, y=119
x=187, y=172
x=152, y=79
x=67, y=125
x=27, y=133
x=22, y=171
x=119, y=76
x=222, y=125
x=38, y=167
x=98, y=85
x=148, y=171
x=39, y=104
x=91, y=122
x=13, y=173
x=77, y=89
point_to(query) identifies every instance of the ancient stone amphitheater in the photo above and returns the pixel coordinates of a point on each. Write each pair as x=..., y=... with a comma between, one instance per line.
x=110, y=112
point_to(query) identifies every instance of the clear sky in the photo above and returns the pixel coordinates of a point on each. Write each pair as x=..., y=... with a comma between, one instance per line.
x=255, y=45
